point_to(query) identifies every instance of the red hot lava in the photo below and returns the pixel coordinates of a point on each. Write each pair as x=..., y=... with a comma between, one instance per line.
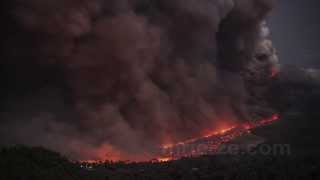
x=209, y=144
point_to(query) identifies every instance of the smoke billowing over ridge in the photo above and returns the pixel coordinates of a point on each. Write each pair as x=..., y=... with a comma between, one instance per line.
x=129, y=75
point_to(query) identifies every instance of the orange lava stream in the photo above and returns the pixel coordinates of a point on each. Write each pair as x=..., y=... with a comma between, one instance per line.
x=220, y=137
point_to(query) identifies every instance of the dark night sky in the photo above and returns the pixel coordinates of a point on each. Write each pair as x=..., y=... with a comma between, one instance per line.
x=295, y=28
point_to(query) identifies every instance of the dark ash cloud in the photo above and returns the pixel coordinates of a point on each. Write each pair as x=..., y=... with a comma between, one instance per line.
x=122, y=77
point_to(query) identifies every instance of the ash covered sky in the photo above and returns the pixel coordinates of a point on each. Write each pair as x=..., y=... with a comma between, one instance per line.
x=107, y=74
x=295, y=30
x=67, y=81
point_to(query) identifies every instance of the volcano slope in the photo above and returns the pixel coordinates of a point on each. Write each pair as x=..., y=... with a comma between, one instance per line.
x=297, y=127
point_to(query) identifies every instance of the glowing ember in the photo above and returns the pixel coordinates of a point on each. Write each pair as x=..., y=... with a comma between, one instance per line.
x=210, y=143
x=274, y=72
x=164, y=159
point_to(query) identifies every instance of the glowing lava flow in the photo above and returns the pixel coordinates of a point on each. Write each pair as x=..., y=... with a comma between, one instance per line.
x=209, y=144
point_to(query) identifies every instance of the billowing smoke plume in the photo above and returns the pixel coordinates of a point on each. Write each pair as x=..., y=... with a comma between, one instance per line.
x=121, y=77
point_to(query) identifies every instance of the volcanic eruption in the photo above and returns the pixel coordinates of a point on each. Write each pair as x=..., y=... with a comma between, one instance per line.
x=117, y=79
